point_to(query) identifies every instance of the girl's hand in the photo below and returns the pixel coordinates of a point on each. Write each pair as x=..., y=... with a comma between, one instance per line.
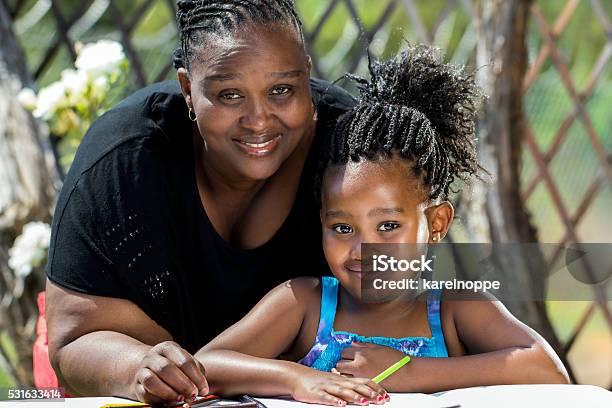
x=367, y=360
x=168, y=373
x=331, y=389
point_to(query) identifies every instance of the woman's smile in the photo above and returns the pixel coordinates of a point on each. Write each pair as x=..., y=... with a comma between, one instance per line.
x=259, y=146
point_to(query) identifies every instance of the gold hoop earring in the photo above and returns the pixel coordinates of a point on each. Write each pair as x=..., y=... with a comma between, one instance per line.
x=192, y=115
x=436, y=236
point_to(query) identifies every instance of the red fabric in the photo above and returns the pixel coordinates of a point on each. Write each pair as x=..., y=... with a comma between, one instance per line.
x=44, y=376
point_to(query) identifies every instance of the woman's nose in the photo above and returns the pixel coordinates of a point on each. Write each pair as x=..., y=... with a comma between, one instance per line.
x=257, y=117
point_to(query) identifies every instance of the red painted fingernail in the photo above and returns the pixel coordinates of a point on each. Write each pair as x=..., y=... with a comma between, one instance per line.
x=340, y=403
x=194, y=394
x=364, y=401
x=380, y=398
x=387, y=397
x=180, y=398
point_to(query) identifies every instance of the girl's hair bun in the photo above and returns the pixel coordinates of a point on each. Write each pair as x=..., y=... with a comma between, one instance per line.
x=419, y=106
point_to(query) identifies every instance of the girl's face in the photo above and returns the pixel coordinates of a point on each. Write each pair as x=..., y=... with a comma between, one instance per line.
x=251, y=95
x=374, y=202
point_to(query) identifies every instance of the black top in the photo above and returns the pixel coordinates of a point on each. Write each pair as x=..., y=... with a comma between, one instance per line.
x=129, y=222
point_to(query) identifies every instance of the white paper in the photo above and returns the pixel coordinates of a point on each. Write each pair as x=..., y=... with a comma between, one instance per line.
x=499, y=396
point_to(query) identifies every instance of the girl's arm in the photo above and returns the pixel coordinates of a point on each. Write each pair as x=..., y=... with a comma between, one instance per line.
x=502, y=351
x=243, y=356
x=243, y=359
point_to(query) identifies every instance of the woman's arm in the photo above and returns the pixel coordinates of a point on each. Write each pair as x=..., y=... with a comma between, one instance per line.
x=106, y=346
x=502, y=351
x=244, y=358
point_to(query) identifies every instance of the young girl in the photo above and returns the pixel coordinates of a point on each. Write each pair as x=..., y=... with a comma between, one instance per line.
x=386, y=178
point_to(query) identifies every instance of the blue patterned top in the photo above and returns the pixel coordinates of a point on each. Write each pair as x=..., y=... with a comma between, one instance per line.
x=326, y=352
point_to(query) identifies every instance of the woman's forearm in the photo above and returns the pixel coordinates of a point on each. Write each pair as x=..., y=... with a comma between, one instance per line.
x=231, y=373
x=515, y=365
x=100, y=363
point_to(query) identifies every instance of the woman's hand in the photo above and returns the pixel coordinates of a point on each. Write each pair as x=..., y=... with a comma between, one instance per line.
x=169, y=373
x=331, y=389
x=367, y=360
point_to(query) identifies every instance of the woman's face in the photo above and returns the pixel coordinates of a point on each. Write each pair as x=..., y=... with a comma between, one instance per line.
x=251, y=95
x=373, y=202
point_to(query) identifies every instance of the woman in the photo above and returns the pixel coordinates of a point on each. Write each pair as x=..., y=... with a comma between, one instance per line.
x=185, y=205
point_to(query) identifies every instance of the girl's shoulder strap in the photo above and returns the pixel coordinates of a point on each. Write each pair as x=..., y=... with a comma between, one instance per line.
x=329, y=291
x=329, y=299
x=435, y=324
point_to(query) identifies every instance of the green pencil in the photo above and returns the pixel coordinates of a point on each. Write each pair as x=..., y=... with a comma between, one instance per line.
x=389, y=371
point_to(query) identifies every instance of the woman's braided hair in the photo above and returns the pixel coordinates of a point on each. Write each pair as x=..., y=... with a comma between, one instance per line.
x=418, y=107
x=199, y=17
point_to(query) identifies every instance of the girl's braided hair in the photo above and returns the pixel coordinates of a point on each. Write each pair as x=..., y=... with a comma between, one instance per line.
x=199, y=17
x=418, y=107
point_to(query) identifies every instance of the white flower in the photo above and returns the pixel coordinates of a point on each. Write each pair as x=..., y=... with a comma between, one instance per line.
x=102, y=57
x=49, y=99
x=101, y=82
x=27, y=98
x=75, y=82
x=101, y=86
x=30, y=248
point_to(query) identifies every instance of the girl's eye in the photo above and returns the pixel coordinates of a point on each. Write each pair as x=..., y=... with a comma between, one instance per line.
x=280, y=90
x=388, y=226
x=342, y=229
x=230, y=95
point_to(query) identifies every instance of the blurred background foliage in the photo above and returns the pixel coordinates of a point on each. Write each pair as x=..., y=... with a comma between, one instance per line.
x=341, y=30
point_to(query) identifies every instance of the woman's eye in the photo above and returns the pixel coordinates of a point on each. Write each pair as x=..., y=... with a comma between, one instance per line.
x=388, y=226
x=342, y=229
x=280, y=90
x=230, y=95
